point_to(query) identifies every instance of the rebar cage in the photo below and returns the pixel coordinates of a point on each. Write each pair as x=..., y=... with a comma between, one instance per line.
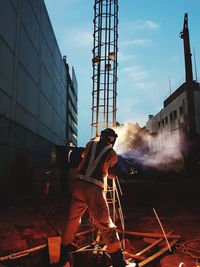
x=105, y=64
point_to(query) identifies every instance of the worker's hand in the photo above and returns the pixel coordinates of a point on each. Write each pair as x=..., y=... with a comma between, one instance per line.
x=112, y=172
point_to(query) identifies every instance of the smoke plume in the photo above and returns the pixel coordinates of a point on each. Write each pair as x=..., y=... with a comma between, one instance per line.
x=160, y=151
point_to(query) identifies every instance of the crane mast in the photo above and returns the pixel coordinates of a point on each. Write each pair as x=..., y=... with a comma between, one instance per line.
x=105, y=48
x=191, y=121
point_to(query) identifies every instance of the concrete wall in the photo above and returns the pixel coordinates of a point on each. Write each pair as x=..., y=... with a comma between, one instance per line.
x=33, y=90
x=169, y=131
x=165, y=121
x=166, y=124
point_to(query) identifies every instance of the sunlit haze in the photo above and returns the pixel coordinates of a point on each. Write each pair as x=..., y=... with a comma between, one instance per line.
x=151, y=60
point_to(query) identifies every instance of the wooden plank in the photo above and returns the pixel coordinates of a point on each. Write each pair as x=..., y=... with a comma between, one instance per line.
x=83, y=248
x=148, y=234
x=54, y=248
x=85, y=232
x=152, y=245
x=157, y=254
x=133, y=256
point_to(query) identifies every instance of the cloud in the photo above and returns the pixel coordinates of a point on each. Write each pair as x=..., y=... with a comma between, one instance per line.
x=130, y=102
x=138, y=42
x=145, y=25
x=125, y=57
x=136, y=73
x=150, y=24
x=127, y=112
x=141, y=25
x=138, y=79
x=146, y=85
x=78, y=37
x=126, y=108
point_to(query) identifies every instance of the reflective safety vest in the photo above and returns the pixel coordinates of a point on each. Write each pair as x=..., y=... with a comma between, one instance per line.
x=91, y=170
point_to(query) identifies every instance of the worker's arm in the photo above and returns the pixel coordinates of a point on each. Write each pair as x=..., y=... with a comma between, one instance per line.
x=83, y=155
x=112, y=160
x=86, y=150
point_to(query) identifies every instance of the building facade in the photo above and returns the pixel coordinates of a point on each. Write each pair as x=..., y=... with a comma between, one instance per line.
x=34, y=93
x=176, y=128
x=72, y=109
x=169, y=128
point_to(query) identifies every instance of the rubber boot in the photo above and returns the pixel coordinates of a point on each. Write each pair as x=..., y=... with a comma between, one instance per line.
x=118, y=260
x=66, y=255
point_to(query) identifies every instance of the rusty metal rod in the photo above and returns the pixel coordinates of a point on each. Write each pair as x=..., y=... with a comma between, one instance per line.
x=148, y=234
x=21, y=254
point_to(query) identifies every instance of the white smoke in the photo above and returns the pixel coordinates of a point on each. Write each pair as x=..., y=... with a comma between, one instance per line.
x=165, y=152
x=126, y=136
x=162, y=151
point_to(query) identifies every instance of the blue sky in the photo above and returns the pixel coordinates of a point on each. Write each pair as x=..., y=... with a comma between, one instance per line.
x=150, y=51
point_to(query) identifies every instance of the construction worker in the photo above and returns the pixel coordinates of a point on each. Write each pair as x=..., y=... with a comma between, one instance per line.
x=98, y=158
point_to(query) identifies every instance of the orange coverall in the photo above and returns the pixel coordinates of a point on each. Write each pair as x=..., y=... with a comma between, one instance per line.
x=87, y=192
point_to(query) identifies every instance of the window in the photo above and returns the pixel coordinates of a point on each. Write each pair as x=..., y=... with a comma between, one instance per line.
x=166, y=120
x=163, y=122
x=181, y=110
x=170, y=116
x=175, y=114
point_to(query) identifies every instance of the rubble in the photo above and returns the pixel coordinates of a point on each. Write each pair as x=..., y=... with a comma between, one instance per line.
x=24, y=226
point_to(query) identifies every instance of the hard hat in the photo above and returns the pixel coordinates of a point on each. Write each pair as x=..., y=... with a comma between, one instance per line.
x=109, y=136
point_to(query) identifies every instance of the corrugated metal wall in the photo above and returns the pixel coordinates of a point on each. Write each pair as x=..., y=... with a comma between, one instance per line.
x=33, y=92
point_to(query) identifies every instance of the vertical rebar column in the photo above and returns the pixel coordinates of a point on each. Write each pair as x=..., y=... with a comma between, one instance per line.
x=104, y=62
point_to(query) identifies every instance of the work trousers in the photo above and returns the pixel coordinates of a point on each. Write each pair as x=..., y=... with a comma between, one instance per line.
x=87, y=195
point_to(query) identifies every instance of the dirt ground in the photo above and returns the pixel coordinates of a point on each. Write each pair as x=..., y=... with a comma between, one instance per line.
x=28, y=221
x=177, y=205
